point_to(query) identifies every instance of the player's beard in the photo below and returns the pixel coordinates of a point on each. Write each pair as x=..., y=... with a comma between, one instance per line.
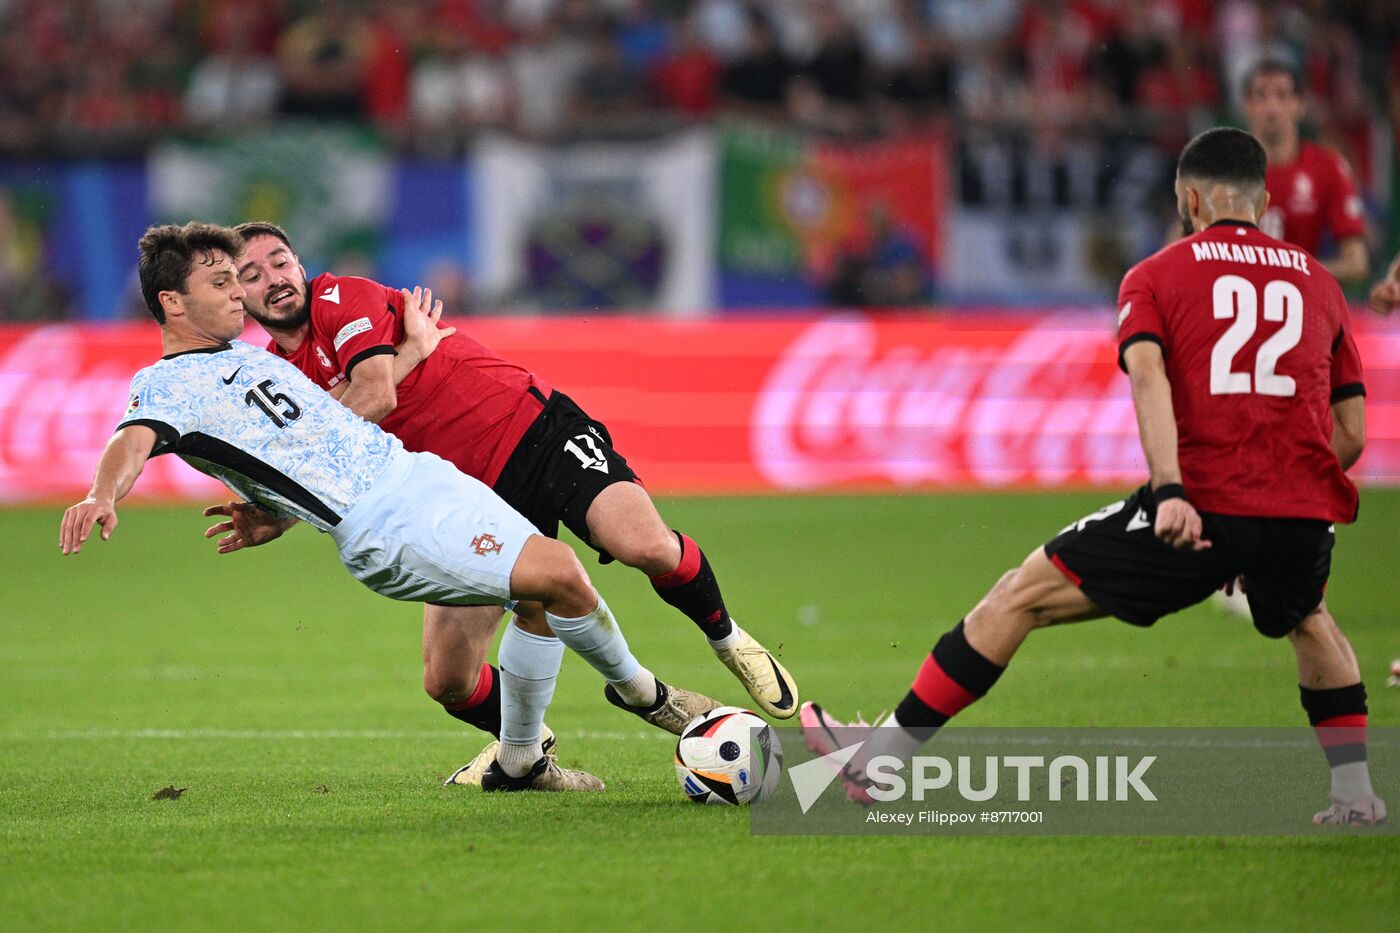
x=1186, y=228
x=292, y=320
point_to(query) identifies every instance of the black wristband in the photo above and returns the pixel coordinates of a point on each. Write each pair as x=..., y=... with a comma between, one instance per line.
x=1168, y=491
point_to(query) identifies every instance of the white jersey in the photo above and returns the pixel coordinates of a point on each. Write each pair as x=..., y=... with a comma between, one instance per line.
x=255, y=423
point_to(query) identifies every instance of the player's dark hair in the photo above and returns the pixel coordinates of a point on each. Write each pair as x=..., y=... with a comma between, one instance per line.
x=169, y=252
x=1226, y=156
x=1271, y=66
x=252, y=228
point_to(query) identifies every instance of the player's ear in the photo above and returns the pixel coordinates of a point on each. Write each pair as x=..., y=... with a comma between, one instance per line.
x=171, y=304
x=1264, y=204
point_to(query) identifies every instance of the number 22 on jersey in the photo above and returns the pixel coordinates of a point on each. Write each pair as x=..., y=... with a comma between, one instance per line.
x=1236, y=297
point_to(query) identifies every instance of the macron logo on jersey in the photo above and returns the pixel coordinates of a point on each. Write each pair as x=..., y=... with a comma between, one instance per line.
x=332, y=294
x=357, y=326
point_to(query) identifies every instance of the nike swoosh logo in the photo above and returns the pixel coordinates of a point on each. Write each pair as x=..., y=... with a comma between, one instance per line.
x=784, y=700
x=228, y=381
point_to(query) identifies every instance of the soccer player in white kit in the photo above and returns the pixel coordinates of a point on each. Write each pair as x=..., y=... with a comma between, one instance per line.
x=409, y=526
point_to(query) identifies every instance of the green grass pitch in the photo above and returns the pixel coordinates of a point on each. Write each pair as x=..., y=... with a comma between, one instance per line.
x=287, y=699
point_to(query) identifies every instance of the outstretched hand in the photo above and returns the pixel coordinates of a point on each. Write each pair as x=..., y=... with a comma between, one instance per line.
x=422, y=330
x=1179, y=524
x=79, y=520
x=248, y=526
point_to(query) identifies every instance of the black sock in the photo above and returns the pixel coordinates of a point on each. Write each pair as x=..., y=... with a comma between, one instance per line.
x=693, y=589
x=1338, y=717
x=483, y=708
x=952, y=677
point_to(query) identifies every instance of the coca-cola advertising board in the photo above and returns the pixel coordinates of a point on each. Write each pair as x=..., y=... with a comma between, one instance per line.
x=848, y=403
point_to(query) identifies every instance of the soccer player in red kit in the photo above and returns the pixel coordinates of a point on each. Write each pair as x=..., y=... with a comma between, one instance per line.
x=503, y=425
x=1311, y=190
x=1249, y=398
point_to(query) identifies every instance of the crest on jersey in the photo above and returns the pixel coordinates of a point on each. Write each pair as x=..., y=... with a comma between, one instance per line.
x=325, y=360
x=486, y=544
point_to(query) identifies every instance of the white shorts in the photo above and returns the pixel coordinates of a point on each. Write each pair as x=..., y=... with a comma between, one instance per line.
x=429, y=533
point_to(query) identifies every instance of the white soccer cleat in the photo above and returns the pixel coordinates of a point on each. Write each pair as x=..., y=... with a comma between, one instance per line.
x=767, y=681
x=1368, y=811
x=470, y=773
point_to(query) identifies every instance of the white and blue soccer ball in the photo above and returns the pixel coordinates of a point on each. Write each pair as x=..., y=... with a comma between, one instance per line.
x=728, y=756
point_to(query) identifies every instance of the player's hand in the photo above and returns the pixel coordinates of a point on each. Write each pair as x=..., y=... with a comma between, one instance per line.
x=1179, y=524
x=1385, y=296
x=422, y=330
x=79, y=520
x=248, y=526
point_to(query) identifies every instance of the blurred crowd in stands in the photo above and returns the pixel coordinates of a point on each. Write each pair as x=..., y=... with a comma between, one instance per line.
x=109, y=77
x=102, y=74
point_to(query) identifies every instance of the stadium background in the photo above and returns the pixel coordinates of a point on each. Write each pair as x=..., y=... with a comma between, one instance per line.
x=855, y=247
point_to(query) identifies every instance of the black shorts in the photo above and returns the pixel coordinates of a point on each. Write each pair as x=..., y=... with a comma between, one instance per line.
x=1117, y=560
x=563, y=461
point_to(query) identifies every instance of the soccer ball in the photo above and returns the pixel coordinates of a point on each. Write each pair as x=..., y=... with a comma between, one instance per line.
x=728, y=756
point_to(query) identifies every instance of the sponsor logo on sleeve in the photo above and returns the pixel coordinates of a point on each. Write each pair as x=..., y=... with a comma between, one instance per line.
x=357, y=326
x=134, y=403
x=1123, y=315
x=332, y=294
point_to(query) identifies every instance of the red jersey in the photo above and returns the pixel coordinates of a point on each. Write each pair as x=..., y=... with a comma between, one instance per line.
x=463, y=402
x=1257, y=346
x=1313, y=193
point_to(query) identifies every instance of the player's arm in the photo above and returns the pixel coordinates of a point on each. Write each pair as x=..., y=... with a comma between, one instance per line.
x=1352, y=262
x=1178, y=523
x=1346, y=216
x=122, y=461
x=370, y=389
x=1349, y=430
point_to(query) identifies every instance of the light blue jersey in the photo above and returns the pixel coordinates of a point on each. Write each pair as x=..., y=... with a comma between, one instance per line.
x=256, y=424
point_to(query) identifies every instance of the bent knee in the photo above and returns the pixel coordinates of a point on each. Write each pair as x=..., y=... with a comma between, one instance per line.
x=566, y=576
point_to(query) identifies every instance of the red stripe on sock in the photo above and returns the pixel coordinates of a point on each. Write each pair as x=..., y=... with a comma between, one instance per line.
x=939, y=691
x=1342, y=730
x=482, y=691
x=686, y=570
x=1069, y=574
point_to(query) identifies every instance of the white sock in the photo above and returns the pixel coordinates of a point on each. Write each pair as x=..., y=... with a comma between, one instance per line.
x=596, y=638
x=517, y=760
x=1351, y=782
x=728, y=641
x=639, y=689
x=529, y=666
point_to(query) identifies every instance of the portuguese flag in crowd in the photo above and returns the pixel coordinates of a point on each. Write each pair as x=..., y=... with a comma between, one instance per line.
x=792, y=204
